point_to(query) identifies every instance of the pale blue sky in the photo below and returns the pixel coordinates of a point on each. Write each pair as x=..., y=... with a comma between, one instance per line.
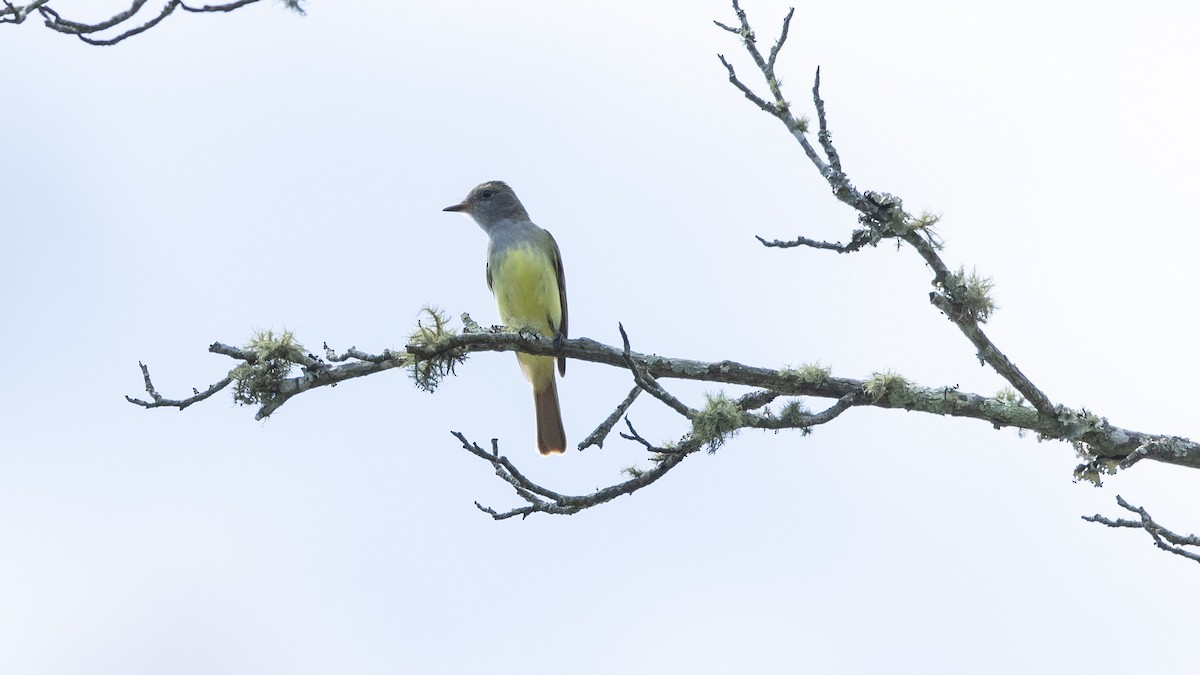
x=223, y=173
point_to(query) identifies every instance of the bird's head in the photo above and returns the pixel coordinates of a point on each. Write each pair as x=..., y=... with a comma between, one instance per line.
x=490, y=203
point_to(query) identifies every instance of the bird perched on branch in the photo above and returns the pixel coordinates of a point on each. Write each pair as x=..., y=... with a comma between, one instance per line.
x=525, y=273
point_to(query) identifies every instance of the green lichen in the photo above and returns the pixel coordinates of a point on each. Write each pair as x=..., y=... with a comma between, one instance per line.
x=1007, y=408
x=794, y=412
x=924, y=225
x=720, y=419
x=800, y=123
x=1009, y=396
x=971, y=294
x=798, y=415
x=1074, y=426
x=887, y=384
x=809, y=373
x=633, y=471
x=1094, y=471
x=925, y=221
x=257, y=382
x=433, y=328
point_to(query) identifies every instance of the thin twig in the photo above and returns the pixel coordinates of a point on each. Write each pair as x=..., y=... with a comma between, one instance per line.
x=157, y=401
x=647, y=382
x=757, y=399
x=857, y=242
x=733, y=78
x=597, y=437
x=823, y=137
x=1163, y=538
x=783, y=34
x=542, y=500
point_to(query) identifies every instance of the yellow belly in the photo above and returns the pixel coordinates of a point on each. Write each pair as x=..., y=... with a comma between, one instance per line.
x=525, y=283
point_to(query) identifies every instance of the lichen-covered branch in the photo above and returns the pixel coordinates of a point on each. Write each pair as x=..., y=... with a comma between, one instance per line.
x=275, y=368
x=881, y=216
x=963, y=297
x=127, y=22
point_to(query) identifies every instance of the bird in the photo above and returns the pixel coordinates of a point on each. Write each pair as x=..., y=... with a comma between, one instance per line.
x=525, y=274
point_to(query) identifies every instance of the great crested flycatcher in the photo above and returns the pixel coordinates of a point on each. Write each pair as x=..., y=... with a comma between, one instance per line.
x=525, y=273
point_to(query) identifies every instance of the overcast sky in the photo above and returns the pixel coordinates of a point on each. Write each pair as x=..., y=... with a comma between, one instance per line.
x=226, y=173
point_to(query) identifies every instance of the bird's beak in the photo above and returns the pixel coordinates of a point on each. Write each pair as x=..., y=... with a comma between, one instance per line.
x=457, y=207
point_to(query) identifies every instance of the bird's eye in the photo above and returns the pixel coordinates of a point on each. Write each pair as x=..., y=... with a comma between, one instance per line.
x=486, y=194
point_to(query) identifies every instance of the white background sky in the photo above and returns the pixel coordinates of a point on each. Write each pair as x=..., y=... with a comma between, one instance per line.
x=223, y=173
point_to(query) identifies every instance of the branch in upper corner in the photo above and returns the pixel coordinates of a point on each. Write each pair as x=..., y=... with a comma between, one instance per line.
x=11, y=13
x=1163, y=538
x=293, y=5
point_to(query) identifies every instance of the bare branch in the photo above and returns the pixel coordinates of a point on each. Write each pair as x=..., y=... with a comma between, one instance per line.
x=229, y=7
x=647, y=382
x=634, y=436
x=757, y=399
x=542, y=500
x=1163, y=538
x=733, y=78
x=597, y=437
x=157, y=401
x=11, y=13
x=783, y=34
x=842, y=405
x=823, y=137
x=858, y=240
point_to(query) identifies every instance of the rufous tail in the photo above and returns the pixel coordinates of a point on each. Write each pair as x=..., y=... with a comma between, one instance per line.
x=551, y=438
